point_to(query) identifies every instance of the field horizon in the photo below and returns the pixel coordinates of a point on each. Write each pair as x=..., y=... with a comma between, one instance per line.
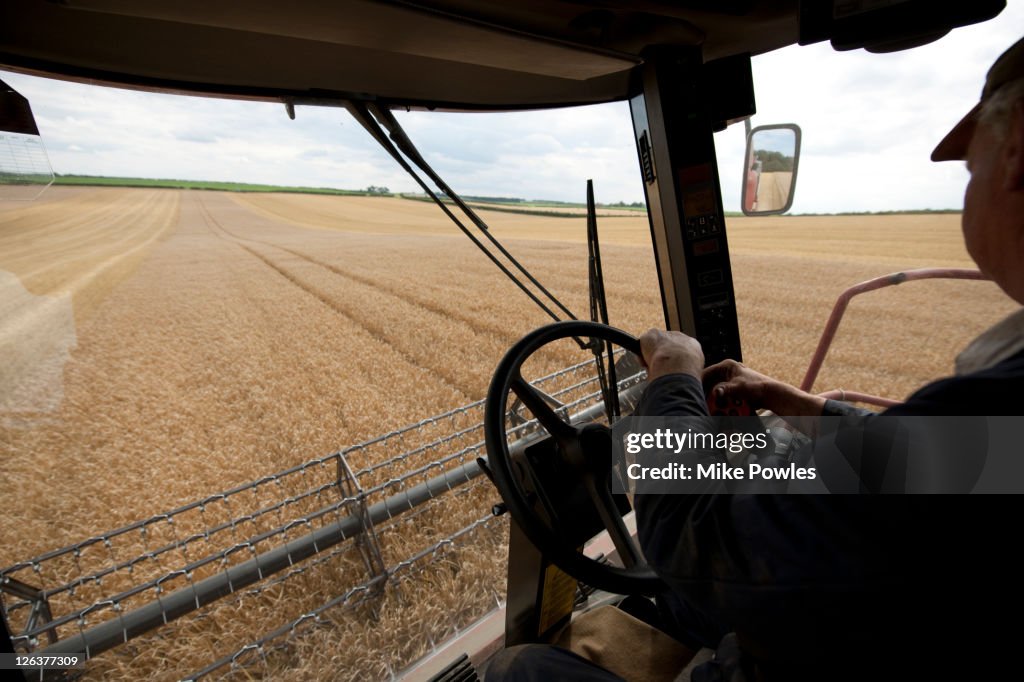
x=517, y=204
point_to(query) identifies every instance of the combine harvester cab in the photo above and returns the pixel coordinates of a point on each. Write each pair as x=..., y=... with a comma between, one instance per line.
x=685, y=70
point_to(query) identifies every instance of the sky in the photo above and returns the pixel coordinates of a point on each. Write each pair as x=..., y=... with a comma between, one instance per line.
x=869, y=123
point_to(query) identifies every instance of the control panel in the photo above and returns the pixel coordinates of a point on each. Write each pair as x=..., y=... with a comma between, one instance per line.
x=707, y=260
x=674, y=132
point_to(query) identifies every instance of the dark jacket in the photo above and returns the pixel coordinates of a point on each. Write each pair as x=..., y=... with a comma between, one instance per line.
x=837, y=586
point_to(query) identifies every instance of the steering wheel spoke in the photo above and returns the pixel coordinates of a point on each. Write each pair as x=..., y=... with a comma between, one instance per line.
x=539, y=407
x=627, y=548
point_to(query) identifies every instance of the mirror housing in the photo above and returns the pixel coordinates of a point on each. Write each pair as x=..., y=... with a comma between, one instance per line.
x=769, y=173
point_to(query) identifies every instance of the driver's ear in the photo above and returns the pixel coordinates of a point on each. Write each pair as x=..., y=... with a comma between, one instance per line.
x=1013, y=150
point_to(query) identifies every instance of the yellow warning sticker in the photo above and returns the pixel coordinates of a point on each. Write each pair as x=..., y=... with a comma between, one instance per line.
x=558, y=598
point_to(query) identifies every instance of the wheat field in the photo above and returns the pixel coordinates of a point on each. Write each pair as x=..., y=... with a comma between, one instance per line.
x=195, y=341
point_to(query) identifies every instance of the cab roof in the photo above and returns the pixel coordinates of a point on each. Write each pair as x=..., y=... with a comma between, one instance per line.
x=449, y=54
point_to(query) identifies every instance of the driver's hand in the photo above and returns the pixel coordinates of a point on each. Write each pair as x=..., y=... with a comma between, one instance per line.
x=730, y=382
x=671, y=353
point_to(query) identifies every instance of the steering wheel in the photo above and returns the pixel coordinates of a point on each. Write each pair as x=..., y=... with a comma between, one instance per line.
x=586, y=450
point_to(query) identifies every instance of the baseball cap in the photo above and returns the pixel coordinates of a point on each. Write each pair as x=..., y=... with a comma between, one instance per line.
x=1009, y=67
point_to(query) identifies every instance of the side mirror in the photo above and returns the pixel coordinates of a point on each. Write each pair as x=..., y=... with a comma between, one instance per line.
x=25, y=169
x=769, y=175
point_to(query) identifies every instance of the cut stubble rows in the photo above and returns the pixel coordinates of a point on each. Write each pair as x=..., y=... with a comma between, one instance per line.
x=221, y=337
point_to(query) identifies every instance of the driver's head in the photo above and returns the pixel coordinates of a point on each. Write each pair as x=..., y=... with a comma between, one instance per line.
x=1003, y=84
x=991, y=139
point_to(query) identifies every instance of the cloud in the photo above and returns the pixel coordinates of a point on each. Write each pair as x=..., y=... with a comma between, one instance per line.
x=546, y=154
x=197, y=137
x=869, y=124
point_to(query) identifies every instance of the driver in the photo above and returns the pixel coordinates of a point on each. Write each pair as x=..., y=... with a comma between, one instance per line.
x=851, y=586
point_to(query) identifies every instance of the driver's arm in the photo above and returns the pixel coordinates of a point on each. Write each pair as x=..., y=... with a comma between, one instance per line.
x=674, y=354
x=744, y=562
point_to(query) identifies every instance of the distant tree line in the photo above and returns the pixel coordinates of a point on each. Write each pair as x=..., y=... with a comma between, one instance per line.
x=24, y=179
x=495, y=200
x=774, y=162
